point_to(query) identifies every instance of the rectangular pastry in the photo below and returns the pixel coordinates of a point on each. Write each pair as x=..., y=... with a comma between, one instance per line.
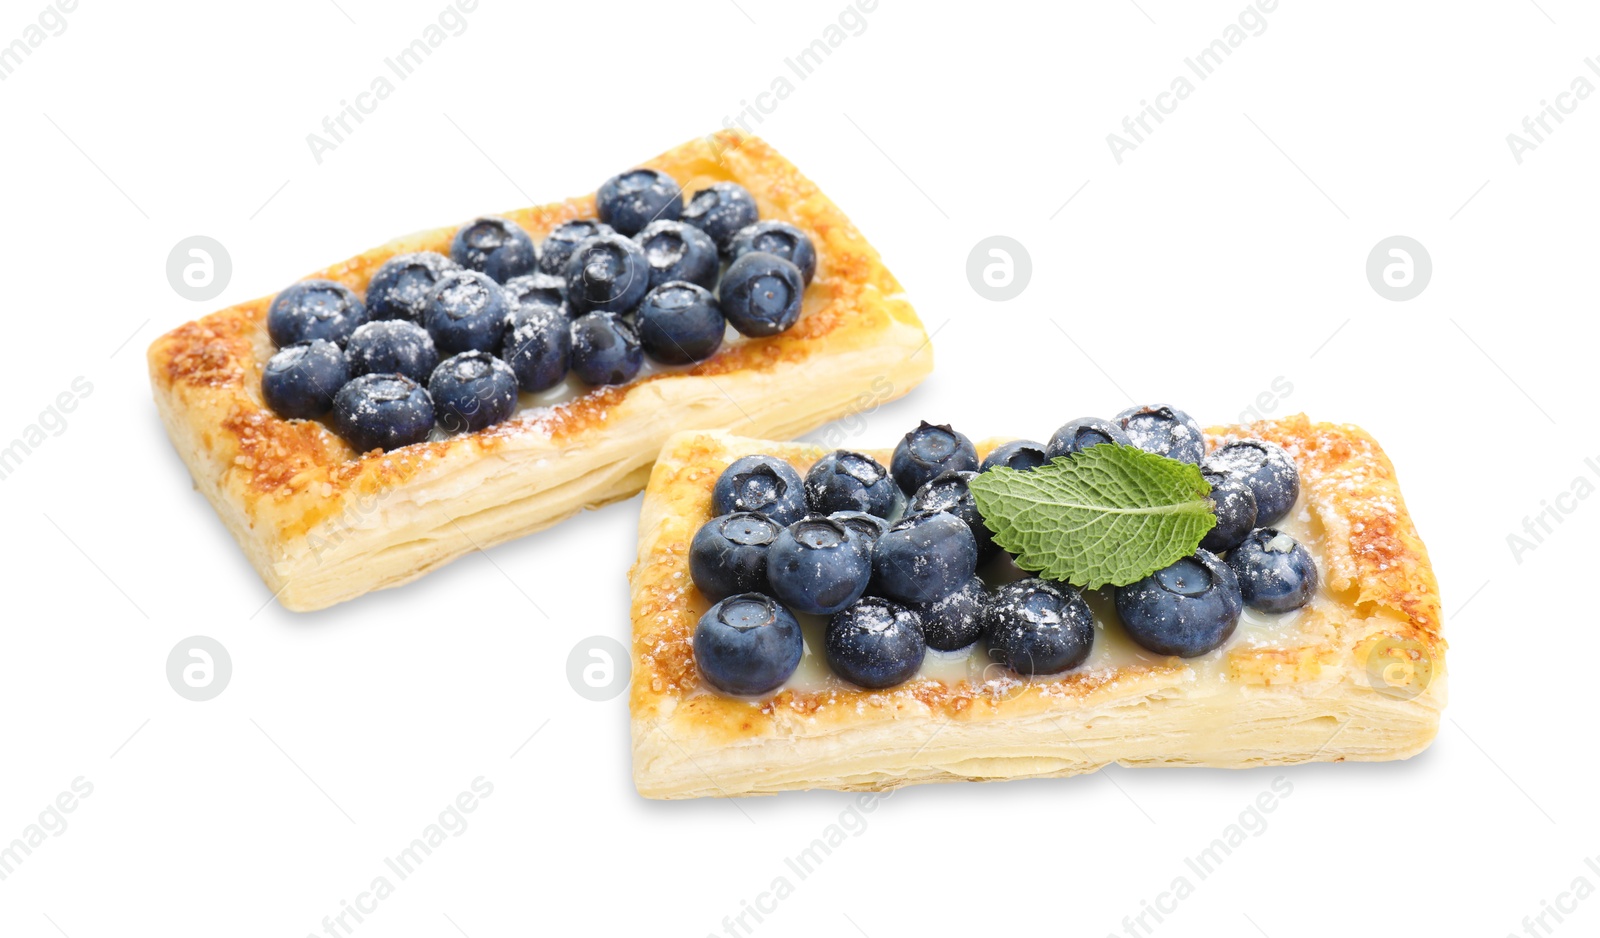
x=323, y=523
x=1356, y=674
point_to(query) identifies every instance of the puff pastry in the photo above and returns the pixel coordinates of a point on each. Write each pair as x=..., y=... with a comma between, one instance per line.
x=323, y=524
x=1357, y=675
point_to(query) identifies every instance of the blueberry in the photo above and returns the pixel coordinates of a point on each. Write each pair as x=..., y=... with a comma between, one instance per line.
x=1269, y=471
x=1234, y=506
x=817, y=566
x=466, y=312
x=1186, y=609
x=846, y=481
x=924, y=558
x=382, y=412
x=391, y=346
x=1038, y=627
x=927, y=451
x=314, y=309
x=780, y=238
x=1276, y=572
x=729, y=554
x=471, y=391
x=538, y=346
x=948, y=491
x=563, y=239
x=605, y=349
x=761, y=483
x=747, y=644
x=1021, y=455
x=720, y=211
x=301, y=379
x=679, y=323
x=676, y=251
x=607, y=273
x=631, y=200
x=399, y=290
x=1078, y=435
x=531, y=290
x=868, y=527
x=1165, y=431
x=953, y=621
x=761, y=294
x=875, y=643
x=495, y=246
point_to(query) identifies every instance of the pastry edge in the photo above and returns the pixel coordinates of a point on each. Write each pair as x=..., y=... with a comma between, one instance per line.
x=360, y=549
x=1344, y=723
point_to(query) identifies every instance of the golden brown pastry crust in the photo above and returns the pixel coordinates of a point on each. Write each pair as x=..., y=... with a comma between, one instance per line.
x=1308, y=699
x=323, y=524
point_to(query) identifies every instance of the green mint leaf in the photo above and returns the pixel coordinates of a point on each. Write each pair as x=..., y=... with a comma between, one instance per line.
x=1109, y=514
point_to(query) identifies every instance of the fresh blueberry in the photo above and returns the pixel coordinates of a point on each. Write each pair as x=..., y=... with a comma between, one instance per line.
x=631, y=200
x=679, y=323
x=1234, y=506
x=953, y=621
x=729, y=554
x=761, y=294
x=563, y=239
x=948, y=491
x=1078, y=435
x=496, y=246
x=1021, y=455
x=399, y=290
x=466, y=312
x=314, y=309
x=1165, y=431
x=1276, y=572
x=391, y=346
x=875, y=643
x=817, y=566
x=382, y=412
x=607, y=273
x=676, y=251
x=1269, y=471
x=537, y=290
x=471, y=391
x=846, y=481
x=747, y=644
x=605, y=349
x=1186, y=609
x=927, y=451
x=1038, y=627
x=720, y=211
x=868, y=527
x=780, y=238
x=538, y=346
x=924, y=558
x=761, y=483
x=301, y=379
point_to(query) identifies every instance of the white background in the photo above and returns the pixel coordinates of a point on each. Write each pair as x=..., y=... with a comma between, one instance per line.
x=1226, y=251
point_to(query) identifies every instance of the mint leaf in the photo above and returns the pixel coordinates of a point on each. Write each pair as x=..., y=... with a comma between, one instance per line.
x=1109, y=514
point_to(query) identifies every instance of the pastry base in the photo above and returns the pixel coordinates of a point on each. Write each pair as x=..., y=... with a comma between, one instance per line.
x=1365, y=683
x=323, y=524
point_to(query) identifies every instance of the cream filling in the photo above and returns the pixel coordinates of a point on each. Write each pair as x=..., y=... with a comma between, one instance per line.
x=1113, y=648
x=570, y=388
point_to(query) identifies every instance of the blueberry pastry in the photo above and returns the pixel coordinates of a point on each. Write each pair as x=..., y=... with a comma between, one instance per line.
x=1312, y=635
x=518, y=367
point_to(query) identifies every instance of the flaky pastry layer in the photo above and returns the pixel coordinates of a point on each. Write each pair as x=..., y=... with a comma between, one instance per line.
x=1361, y=678
x=323, y=524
